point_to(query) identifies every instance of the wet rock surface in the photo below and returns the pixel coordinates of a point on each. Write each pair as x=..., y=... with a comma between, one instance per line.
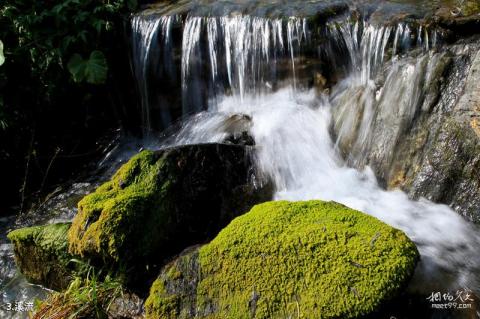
x=426, y=141
x=450, y=168
x=127, y=306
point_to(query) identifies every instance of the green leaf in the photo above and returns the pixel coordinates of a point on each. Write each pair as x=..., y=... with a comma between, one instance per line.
x=93, y=71
x=76, y=66
x=96, y=69
x=2, y=56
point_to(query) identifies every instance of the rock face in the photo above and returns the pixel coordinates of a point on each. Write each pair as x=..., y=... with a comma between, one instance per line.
x=161, y=202
x=449, y=171
x=425, y=141
x=287, y=259
x=41, y=254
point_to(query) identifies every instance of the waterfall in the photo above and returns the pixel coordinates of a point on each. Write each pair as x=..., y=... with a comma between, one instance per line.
x=389, y=93
x=242, y=64
x=294, y=148
x=151, y=37
x=242, y=50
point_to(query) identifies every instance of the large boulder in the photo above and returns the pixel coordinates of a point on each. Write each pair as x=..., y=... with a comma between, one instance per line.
x=163, y=201
x=286, y=260
x=41, y=254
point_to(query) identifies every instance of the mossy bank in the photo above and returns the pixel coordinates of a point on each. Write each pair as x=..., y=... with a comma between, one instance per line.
x=41, y=253
x=288, y=259
x=161, y=202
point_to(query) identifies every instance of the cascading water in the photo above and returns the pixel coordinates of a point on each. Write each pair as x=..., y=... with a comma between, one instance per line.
x=220, y=55
x=242, y=53
x=292, y=127
x=370, y=94
x=232, y=69
x=294, y=147
x=152, y=37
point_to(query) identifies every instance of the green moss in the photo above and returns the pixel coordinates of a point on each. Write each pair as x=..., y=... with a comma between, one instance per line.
x=160, y=303
x=41, y=253
x=107, y=217
x=51, y=238
x=160, y=202
x=295, y=259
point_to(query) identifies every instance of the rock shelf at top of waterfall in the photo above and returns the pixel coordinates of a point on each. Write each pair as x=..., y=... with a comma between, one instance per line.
x=381, y=10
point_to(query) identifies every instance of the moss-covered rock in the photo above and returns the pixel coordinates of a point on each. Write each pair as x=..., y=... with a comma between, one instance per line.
x=41, y=254
x=161, y=202
x=288, y=259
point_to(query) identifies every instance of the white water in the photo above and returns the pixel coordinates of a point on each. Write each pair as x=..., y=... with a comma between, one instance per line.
x=147, y=35
x=243, y=50
x=294, y=148
x=291, y=128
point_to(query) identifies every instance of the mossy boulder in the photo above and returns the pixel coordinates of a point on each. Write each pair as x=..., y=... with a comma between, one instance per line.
x=161, y=202
x=288, y=260
x=41, y=254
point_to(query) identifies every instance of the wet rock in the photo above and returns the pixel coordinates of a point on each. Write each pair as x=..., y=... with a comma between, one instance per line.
x=127, y=305
x=161, y=202
x=237, y=123
x=41, y=254
x=273, y=261
x=242, y=139
x=450, y=173
x=445, y=165
x=426, y=140
x=237, y=128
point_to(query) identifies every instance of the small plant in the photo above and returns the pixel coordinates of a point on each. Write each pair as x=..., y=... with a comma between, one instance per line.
x=87, y=297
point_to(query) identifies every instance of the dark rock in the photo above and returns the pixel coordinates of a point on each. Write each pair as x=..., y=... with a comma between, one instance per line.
x=161, y=202
x=237, y=128
x=243, y=139
x=462, y=20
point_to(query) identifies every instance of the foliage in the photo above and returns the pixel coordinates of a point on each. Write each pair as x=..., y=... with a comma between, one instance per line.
x=56, y=86
x=89, y=297
x=45, y=36
x=42, y=256
x=289, y=260
x=94, y=70
x=54, y=32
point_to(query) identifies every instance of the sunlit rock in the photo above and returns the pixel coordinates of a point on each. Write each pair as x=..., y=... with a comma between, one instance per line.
x=41, y=254
x=288, y=259
x=161, y=202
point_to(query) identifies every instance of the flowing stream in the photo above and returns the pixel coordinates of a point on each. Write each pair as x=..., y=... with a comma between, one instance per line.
x=322, y=101
x=294, y=147
x=387, y=70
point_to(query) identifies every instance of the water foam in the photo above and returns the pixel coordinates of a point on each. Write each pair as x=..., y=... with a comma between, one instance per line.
x=295, y=149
